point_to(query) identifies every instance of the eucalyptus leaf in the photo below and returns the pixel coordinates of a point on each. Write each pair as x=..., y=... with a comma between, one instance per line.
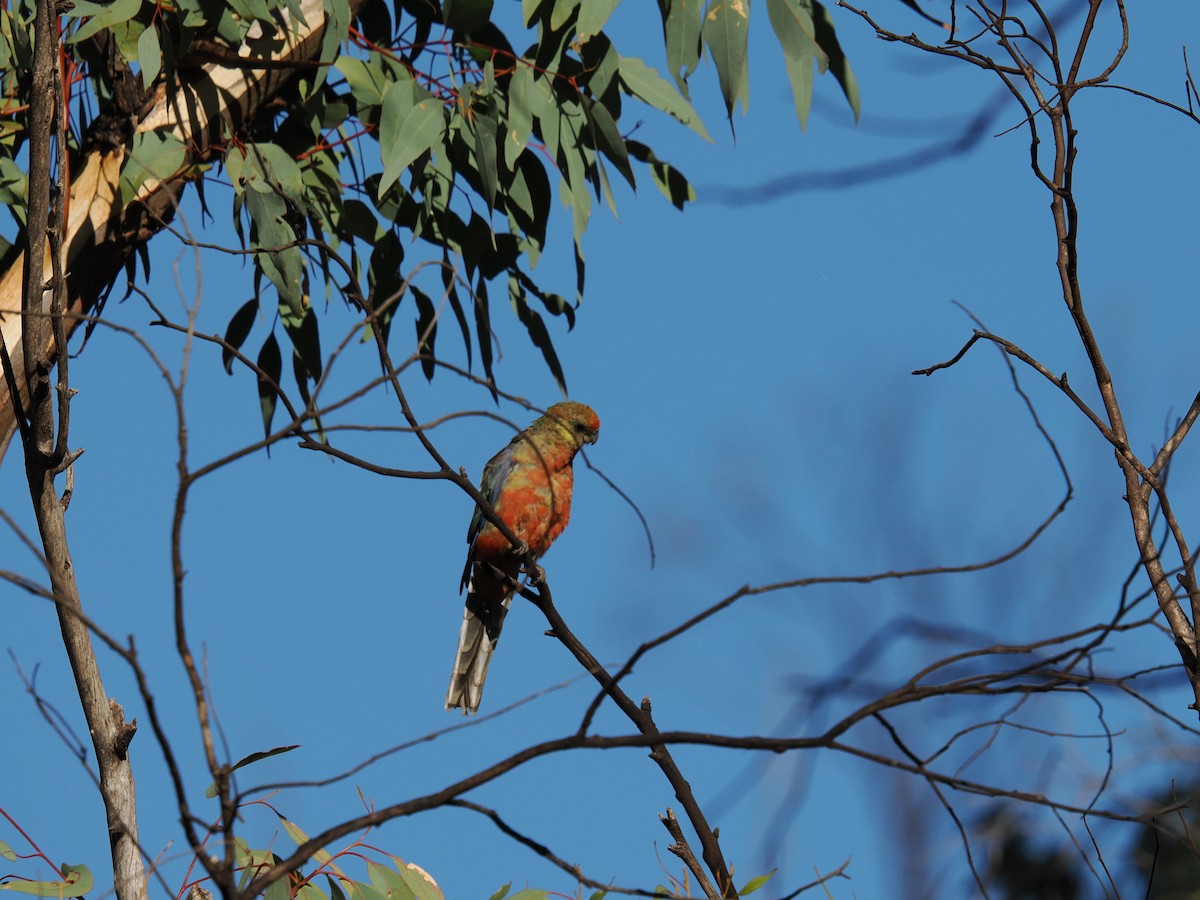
x=593, y=16
x=839, y=64
x=647, y=85
x=153, y=156
x=466, y=15
x=389, y=882
x=101, y=16
x=519, y=125
x=485, y=155
x=237, y=331
x=149, y=55
x=76, y=882
x=726, y=30
x=755, y=883
x=270, y=361
x=419, y=132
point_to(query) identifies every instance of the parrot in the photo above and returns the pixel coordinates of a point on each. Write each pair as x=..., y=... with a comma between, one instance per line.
x=529, y=485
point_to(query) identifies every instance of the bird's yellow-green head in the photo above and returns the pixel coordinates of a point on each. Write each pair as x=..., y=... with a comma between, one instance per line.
x=572, y=421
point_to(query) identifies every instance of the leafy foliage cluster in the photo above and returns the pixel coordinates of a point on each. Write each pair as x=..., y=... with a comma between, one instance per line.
x=327, y=879
x=411, y=119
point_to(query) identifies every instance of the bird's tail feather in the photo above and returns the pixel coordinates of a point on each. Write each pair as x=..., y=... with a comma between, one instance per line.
x=475, y=649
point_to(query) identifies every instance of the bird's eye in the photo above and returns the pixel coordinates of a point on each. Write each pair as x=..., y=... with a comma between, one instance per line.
x=579, y=427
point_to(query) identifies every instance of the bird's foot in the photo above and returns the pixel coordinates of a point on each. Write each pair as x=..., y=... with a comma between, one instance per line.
x=522, y=549
x=537, y=575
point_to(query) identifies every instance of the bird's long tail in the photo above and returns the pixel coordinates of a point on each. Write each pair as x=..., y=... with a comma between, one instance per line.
x=482, y=618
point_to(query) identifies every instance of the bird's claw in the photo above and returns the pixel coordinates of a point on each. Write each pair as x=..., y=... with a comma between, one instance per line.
x=537, y=575
x=522, y=549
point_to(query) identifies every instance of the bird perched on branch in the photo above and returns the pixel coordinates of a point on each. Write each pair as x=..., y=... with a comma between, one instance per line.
x=529, y=485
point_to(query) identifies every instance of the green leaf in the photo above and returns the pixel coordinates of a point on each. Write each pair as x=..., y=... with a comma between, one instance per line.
x=483, y=333
x=608, y=138
x=280, y=260
x=278, y=890
x=295, y=832
x=529, y=199
x=670, y=181
x=14, y=184
x=450, y=286
x=800, y=76
x=278, y=169
x=7, y=852
x=300, y=374
x=337, y=27
x=426, y=331
x=520, y=114
x=485, y=155
x=9, y=131
x=149, y=55
x=529, y=9
x=416, y=128
x=80, y=877
x=562, y=12
x=651, y=88
x=360, y=221
x=298, y=837
x=576, y=195
x=755, y=883
x=193, y=15
x=501, y=893
x=593, y=14
x=238, y=331
x=601, y=63
x=839, y=65
x=153, y=156
x=242, y=855
x=466, y=15
x=101, y=17
x=544, y=106
x=681, y=31
x=419, y=881
x=125, y=37
x=77, y=882
x=367, y=83
x=530, y=894
x=271, y=363
x=263, y=754
x=541, y=339
x=264, y=175
x=211, y=790
x=555, y=304
x=726, y=28
x=389, y=883
x=580, y=271
x=306, y=339
x=793, y=24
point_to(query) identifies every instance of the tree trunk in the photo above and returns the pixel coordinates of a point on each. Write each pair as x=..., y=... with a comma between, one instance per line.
x=94, y=240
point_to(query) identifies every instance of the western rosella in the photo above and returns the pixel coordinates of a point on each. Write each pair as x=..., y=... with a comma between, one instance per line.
x=529, y=485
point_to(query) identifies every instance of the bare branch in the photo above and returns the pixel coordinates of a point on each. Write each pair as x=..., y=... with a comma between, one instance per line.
x=546, y=853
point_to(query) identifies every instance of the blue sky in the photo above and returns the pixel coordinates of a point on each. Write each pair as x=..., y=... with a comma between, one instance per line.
x=750, y=365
